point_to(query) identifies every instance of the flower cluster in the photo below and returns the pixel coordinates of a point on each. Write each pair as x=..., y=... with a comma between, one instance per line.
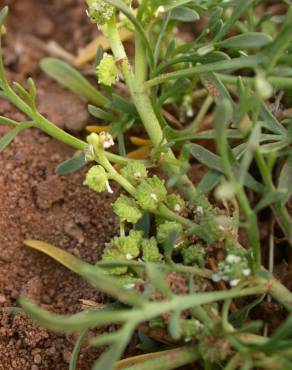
x=134, y=172
x=232, y=269
x=127, y=209
x=127, y=248
x=107, y=71
x=150, y=192
x=97, y=179
x=99, y=11
x=194, y=254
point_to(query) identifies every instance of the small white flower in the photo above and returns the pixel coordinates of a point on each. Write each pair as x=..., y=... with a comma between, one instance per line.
x=187, y=339
x=129, y=286
x=221, y=227
x=89, y=153
x=137, y=175
x=129, y=256
x=199, y=211
x=216, y=278
x=177, y=208
x=198, y=324
x=109, y=189
x=231, y=258
x=106, y=139
x=154, y=197
x=160, y=9
x=234, y=282
x=246, y=272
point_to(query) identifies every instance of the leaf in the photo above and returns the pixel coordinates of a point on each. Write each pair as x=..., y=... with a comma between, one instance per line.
x=238, y=317
x=64, y=323
x=76, y=350
x=209, y=181
x=285, y=179
x=174, y=327
x=183, y=14
x=177, y=89
x=107, y=359
x=279, y=195
x=9, y=137
x=100, y=113
x=219, y=93
x=274, y=147
x=7, y=121
x=213, y=162
x=93, y=274
x=171, y=4
x=3, y=15
x=144, y=224
x=240, y=7
x=120, y=104
x=157, y=280
x=247, y=40
x=70, y=78
x=269, y=121
x=71, y=165
x=207, y=158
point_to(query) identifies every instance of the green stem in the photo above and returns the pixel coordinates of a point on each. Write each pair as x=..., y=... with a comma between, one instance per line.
x=278, y=208
x=148, y=117
x=236, y=63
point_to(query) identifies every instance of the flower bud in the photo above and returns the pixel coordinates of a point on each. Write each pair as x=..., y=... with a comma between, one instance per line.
x=150, y=251
x=99, y=11
x=150, y=192
x=175, y=203
x=107, y=71
x=127, y=209
x=134, y=172
x=194, y=254
x=97, y=179
x=164, y=230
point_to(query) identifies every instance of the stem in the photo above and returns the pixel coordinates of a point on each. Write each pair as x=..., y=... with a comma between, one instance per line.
x=236, y=63
x=278, y=208
x=146, y=112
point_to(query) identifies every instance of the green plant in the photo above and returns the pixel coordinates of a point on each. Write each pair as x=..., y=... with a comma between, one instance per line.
x=159, y=276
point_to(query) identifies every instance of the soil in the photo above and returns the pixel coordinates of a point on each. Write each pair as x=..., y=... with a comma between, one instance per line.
x=36, y=204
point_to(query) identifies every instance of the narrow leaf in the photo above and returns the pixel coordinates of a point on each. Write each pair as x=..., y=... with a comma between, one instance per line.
x=9, y=137
x=272, y=197
x=183, y=14
x=285, y=179
x=70, y=78
x=71, y=165
x=247, y=40
x=93, y=274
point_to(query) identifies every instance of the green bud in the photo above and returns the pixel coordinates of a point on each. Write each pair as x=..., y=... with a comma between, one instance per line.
x=164, y=230
x=134, y=172
x=150, y=251
x=99, y=11
x=175, y=203
x=128, y=246
x=137, y=235
x=150, y=192
x=127, y=281
x=97, y=179
x=127, y=209
x=191, y=328
x=194, y=253
x=111, y=254
x=107, y=71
